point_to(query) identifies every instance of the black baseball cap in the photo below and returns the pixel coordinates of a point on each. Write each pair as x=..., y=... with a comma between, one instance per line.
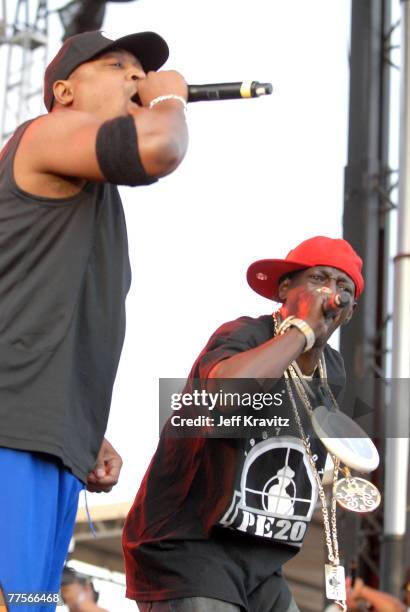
x=149, y=48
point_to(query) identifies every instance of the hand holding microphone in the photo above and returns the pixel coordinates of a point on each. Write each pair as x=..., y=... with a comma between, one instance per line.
x=327, y=309
x=165, y=85
x=318, y=307
x=313, y=312
x=157, y=85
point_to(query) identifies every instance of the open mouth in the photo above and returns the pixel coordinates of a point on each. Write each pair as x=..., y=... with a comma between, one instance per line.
x=136, y=99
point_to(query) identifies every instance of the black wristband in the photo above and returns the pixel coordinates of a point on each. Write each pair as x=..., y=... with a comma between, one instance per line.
x=118, y=155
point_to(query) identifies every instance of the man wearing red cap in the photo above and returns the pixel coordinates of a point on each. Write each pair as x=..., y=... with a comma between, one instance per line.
x=112, y=120
x=218, y=514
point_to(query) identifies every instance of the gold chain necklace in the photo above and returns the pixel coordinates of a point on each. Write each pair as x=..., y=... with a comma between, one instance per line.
x=351, y=492
x=334, y=572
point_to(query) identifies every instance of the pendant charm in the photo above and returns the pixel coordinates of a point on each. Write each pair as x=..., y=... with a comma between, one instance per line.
x=335, y=582
x=357, y=494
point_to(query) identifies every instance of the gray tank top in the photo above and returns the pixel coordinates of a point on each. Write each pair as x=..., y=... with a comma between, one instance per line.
x=64, y=276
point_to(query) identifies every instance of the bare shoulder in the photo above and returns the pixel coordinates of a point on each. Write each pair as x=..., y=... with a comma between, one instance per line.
x=62, y=122
x=56, y=154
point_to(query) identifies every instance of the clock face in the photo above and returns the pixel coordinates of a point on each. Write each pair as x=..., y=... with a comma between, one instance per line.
x=345, y=439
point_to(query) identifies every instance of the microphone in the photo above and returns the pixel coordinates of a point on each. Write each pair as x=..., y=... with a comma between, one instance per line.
x=228, y=91
x=336, y=301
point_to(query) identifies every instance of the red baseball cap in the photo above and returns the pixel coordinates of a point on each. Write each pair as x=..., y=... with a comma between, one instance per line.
x=264, y=275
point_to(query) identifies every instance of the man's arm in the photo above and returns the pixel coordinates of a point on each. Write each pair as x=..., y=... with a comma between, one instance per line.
x=270, y=359
x=380, y=601
x=63, y=143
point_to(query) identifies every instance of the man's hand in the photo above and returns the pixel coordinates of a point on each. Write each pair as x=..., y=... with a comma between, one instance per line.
x=362, y=594
x=161, y=83
x=307, y=304
x=106, y=471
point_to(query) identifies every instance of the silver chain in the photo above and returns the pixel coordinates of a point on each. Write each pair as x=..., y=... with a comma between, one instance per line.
x=330, y=526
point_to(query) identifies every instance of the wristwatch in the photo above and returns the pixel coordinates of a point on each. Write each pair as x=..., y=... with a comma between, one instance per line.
x=302, y=326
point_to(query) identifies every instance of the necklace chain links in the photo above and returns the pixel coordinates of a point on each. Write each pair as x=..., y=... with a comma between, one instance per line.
x=330, y=526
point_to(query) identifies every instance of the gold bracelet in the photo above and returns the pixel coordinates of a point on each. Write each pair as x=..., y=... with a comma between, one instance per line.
x=302, y=326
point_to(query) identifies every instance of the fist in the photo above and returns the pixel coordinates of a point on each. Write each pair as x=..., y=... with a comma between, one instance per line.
x=161, y=83
x=106, y=471
x=307, y=304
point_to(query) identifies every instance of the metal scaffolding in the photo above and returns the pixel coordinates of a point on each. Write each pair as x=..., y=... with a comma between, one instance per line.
x=397, y=445
x=26, y=42
x=367, y=177
x=369, y=347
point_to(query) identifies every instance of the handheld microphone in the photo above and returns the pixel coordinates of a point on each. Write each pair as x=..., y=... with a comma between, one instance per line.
x=228, y=91
x=336, y=301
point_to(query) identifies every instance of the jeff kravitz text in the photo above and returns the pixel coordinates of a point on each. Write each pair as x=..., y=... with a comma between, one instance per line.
x=237, y=420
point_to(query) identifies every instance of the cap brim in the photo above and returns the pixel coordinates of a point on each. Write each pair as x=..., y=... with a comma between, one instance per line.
x=148, y=47
x=264, y=275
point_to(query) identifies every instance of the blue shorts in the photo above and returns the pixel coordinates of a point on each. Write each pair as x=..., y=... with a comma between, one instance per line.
x=38, y=505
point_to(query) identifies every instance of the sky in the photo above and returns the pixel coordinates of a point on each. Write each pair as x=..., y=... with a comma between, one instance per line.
x=259, y=177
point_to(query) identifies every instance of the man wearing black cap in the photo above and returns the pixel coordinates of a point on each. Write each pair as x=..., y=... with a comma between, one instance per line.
x=64, y=276
x=223, y=507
